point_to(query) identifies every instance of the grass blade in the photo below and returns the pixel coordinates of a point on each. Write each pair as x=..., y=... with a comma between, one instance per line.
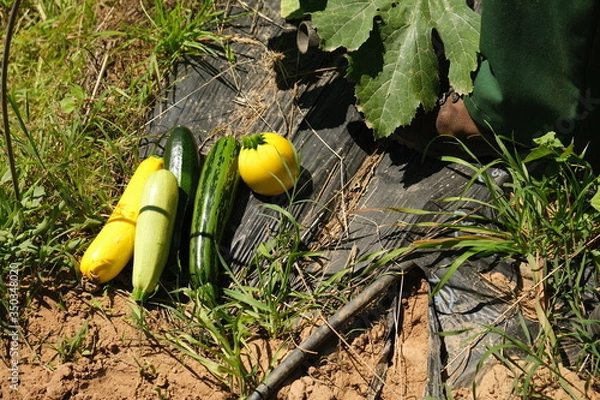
x=7, y=137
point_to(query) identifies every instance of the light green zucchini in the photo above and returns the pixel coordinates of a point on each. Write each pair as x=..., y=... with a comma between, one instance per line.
x=154, y=232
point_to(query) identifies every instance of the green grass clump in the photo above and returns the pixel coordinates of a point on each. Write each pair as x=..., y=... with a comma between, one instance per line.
x=267, y=301
x=547, y=217
x=553, y=216
x=82, y=77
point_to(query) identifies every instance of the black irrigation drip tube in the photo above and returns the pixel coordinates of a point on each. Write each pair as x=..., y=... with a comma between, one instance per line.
x=324, y=333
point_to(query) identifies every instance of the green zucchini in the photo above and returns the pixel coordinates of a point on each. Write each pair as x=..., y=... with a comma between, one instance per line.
x=154, y=232
x=215, y=197
x=182, y=159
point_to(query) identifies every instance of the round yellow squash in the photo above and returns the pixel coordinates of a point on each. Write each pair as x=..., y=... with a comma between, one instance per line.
x=268, y=163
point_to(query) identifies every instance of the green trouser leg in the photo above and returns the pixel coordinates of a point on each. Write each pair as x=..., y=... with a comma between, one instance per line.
x=540, y=69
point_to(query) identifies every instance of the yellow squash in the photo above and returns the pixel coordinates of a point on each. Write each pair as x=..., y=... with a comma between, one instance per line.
x=268, y=163
x=112, y=249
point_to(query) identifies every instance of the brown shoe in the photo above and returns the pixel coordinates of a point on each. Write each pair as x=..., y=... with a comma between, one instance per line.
x=448, y=131
x=453, y=119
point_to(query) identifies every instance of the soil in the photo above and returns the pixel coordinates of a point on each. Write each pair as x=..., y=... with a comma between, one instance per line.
x=115, y=359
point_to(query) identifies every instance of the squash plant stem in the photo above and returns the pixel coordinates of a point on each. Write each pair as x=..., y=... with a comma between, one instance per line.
x=253, y=141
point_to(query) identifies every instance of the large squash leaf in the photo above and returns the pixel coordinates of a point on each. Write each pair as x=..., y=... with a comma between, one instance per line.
x=392, y=57
x=296, y=9
x=291, y=9
x=346, y=23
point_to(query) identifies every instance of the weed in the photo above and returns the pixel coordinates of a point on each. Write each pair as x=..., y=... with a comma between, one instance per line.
x=547, y=218
x=68, y=348
x=263, y=301
x=186, y=29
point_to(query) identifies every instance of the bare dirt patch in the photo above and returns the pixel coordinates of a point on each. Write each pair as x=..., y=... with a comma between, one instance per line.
x=88, y=347
x=352, y=370
x=85, y=346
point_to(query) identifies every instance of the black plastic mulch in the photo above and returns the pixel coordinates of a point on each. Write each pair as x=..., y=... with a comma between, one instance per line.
x=272, y=87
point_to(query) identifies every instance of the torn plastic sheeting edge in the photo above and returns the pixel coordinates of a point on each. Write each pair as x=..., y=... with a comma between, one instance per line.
x=313, y=343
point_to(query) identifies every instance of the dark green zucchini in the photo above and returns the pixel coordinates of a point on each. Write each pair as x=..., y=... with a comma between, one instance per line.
x=215, y=197
x=182, y=159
